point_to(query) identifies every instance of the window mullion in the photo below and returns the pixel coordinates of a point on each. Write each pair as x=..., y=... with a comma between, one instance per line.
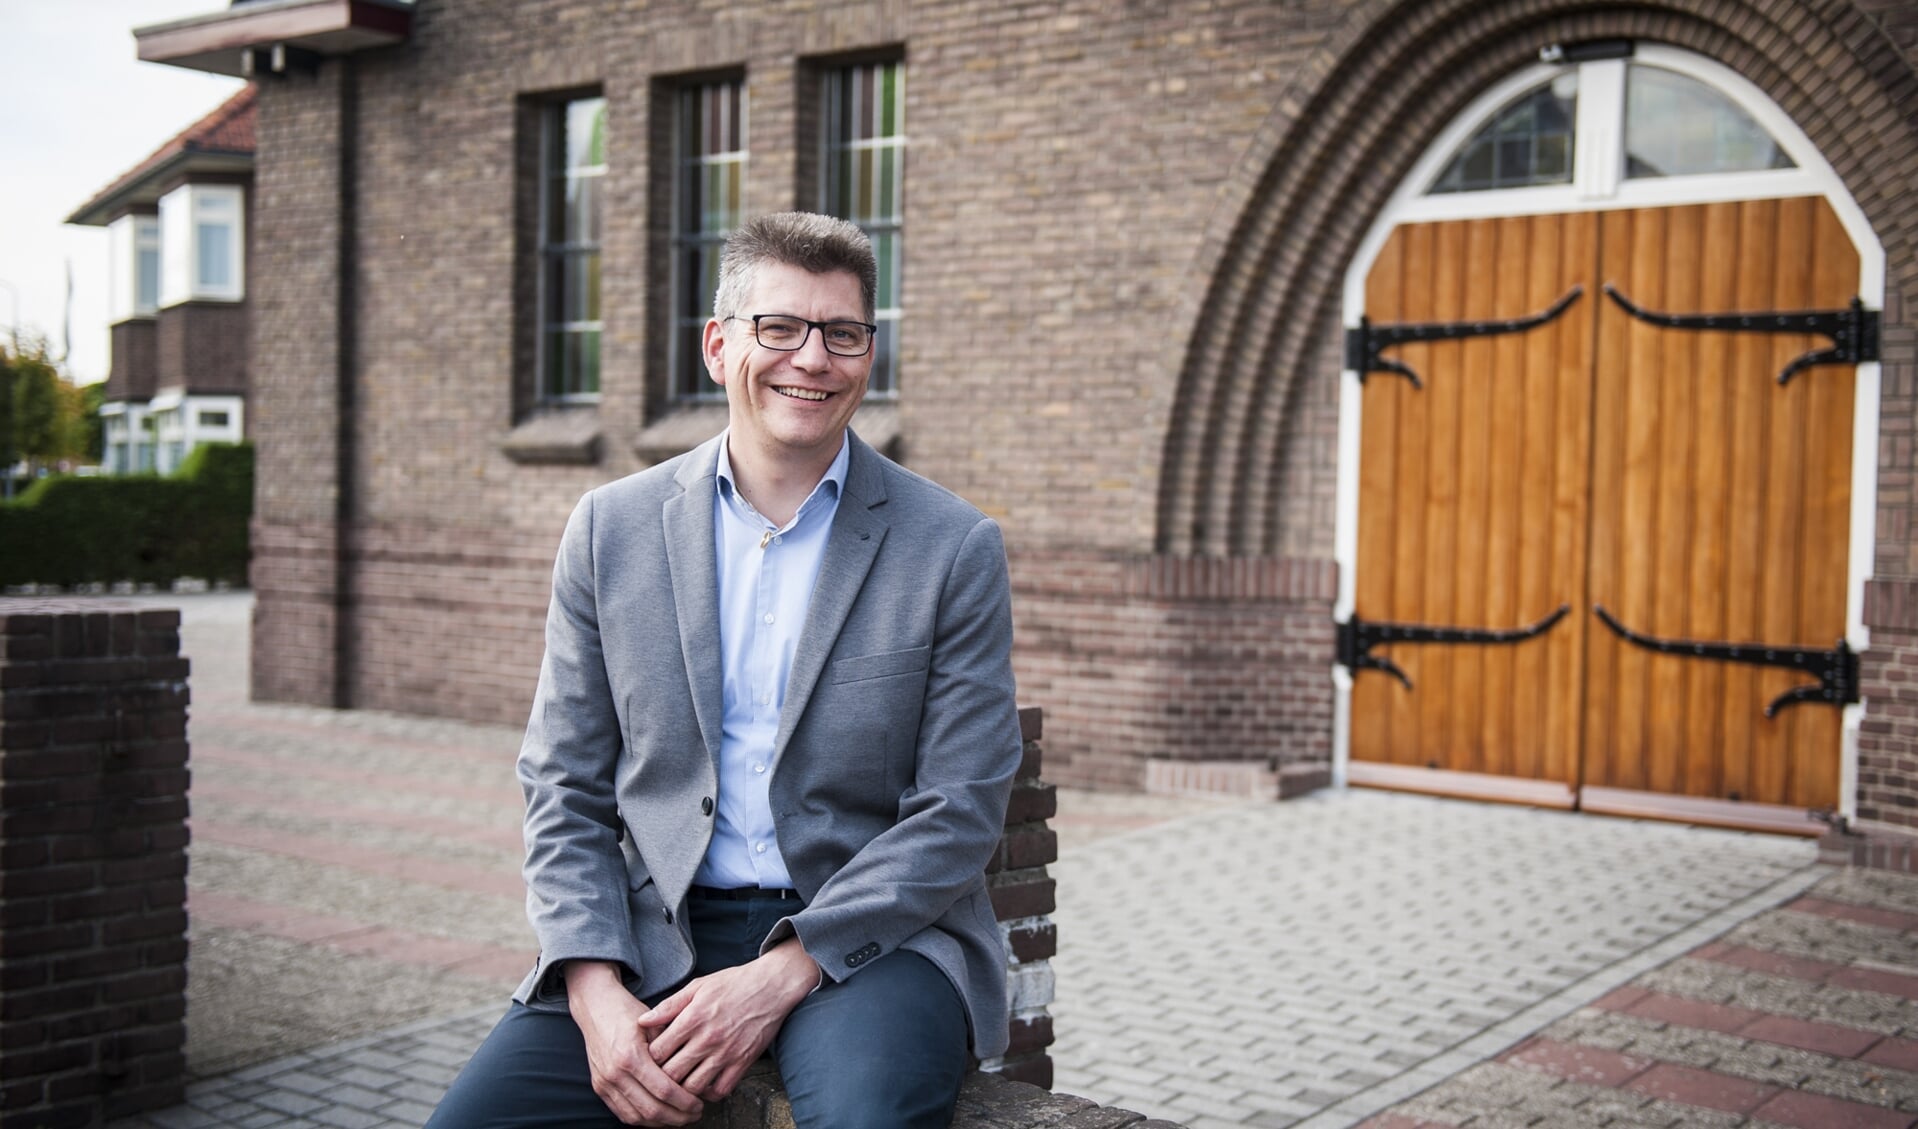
x=1599, y=151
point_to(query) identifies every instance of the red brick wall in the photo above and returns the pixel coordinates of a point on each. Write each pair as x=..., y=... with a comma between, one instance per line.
x=293, y=411
x=1143, y=658
x=93, y=782
x=135, y=370
x=202, y=347
x=1022, y=900
x=1126, y=231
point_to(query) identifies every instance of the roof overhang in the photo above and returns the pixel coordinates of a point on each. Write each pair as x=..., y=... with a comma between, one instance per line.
x=230, y=41
x=145, y=191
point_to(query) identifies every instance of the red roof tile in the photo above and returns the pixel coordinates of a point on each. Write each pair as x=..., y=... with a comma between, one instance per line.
x=227, y=130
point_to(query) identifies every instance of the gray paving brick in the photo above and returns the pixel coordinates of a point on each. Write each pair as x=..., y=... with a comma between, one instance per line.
x=407, y=1113
x=290, y=1103
x=343, y=1118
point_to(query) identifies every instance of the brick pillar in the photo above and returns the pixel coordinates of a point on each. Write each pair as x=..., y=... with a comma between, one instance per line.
x=1022, y=897
x=93, y=783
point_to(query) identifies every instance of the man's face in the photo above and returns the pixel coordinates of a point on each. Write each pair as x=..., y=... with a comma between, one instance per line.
x=789, y=403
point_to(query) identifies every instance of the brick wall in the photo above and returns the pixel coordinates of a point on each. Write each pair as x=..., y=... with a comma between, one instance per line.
x=1022, y=898
x=135, y=370
x=1126, y=231
x=93, y=783
x=1182, y=659
x=293, y=410
x=202, y=347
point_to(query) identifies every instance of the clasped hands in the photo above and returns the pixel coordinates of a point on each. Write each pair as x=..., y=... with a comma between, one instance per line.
x=658, y=1066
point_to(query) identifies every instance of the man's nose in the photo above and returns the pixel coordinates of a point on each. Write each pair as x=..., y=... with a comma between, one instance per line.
x=811, y=354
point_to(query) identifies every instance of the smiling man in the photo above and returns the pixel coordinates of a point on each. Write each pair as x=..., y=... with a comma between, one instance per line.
x=769, y=753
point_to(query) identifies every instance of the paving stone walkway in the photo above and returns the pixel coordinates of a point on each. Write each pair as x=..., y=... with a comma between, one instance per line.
x=1349, y=957
x=1806, y=1015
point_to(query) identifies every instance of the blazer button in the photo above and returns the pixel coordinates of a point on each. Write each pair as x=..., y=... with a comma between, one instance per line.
x=706, y=805
x=669, y=915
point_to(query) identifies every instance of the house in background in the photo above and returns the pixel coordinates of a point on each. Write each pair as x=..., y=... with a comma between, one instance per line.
x=176, y=230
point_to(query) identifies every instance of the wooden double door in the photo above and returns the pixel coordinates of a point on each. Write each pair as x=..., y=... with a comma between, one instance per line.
x=1656, y=481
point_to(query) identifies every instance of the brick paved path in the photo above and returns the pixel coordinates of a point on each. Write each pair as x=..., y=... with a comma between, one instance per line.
x=1804, y=1016
x=357, y=925
x=1317, y=960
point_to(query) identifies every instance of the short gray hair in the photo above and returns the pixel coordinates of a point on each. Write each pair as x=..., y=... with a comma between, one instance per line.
x=812, y=242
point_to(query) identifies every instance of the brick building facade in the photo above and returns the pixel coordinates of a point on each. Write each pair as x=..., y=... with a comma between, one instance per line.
x=1126, y=233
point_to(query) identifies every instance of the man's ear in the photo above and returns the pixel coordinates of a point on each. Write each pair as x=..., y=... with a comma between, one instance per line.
x=712, y=347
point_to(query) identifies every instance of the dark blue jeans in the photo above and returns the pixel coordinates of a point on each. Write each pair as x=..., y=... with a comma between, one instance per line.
x=885, y=1049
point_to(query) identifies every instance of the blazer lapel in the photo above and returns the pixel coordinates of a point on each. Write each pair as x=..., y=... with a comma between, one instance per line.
x=857, y=531
x=694, y=564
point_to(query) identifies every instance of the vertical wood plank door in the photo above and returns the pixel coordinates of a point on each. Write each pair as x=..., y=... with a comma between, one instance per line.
x=1472, y=508
x=1720, y=504
x=1601, y=461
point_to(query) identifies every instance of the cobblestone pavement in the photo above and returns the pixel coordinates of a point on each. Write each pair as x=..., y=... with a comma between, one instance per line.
x=357, y=926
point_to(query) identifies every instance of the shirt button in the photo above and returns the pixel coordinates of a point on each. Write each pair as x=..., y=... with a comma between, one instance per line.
x=775, y=538
x=769, y=617
x=759, y=768
x=760, y=847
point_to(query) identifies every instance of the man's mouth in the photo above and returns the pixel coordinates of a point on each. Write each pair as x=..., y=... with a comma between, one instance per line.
x=801, y=393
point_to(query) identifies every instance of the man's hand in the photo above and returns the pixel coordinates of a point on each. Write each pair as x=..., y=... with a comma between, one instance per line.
x=706, y=1034
x=624, y=1074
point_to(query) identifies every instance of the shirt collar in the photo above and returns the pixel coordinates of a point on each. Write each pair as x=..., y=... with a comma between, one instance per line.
x=835, y=474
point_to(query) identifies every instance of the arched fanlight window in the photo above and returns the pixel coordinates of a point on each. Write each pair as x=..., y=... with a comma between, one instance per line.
x=1676, y=125
x=1529, y=142
x=1661, y=126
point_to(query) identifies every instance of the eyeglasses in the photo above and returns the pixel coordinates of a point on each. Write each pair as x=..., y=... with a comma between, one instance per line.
x=788, y=334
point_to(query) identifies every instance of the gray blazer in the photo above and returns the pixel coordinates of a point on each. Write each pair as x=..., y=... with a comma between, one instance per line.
x=892, y=765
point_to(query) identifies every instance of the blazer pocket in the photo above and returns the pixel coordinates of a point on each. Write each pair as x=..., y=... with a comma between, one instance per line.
x=862, y=668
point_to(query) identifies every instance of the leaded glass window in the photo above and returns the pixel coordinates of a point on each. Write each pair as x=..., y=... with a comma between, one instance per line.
x=710, y=156
x=1529, y=142
x=1676, y=125
x=571, y=221
x=865, y=149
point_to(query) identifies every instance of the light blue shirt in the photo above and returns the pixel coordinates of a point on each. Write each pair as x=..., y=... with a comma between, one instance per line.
x=766, y=577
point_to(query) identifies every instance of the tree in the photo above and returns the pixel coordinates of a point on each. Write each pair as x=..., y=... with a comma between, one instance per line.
x=44, y=418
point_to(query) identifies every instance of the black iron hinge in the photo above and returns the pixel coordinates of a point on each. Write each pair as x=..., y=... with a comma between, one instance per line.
x=1836, y=669
x=1365, y=341
x=1357, y=638
x=1853, y=330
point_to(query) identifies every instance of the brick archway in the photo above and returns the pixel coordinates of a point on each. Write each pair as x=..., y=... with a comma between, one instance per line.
x=1380, y=92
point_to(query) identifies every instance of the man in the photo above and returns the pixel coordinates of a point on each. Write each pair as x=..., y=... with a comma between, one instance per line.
x=770, y=750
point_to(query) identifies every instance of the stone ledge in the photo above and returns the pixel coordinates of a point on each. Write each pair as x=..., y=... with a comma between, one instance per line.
x=986, y=1101
x=567, y=435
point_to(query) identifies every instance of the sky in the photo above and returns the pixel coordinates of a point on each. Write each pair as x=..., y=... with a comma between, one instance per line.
x=78, y=109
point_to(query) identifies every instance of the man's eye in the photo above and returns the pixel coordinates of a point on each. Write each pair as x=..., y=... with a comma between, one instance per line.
x=844, y=335
x=777, y=330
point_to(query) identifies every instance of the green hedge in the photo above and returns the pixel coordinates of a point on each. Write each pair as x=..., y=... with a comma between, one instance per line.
x=140, y=528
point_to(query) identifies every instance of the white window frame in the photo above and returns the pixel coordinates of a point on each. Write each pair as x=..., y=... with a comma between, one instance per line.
x=183, y=213
x=1599, y=184
x=128, y=238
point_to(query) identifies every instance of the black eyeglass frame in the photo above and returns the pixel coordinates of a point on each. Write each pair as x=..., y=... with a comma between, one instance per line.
x=872, y=332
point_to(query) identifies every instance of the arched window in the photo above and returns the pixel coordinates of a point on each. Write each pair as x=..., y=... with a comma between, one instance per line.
x=1676, y=125
x=1662, y=126
x=1529, y=142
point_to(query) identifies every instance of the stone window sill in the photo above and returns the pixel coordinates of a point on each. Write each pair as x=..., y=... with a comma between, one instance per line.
x=568, y=436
